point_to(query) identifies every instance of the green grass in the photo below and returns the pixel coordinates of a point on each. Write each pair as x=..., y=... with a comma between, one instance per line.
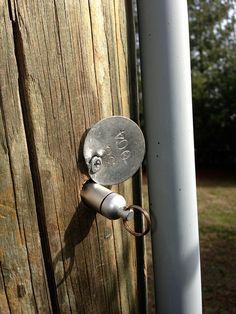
x=217, y=220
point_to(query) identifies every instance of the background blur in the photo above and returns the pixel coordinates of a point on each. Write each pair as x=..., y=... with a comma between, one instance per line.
x=213, y=60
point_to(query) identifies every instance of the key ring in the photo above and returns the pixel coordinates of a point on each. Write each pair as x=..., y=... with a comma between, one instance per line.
x=146, y=215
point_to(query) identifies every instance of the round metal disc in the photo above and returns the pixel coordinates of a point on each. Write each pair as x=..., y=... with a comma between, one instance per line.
x=114, y=150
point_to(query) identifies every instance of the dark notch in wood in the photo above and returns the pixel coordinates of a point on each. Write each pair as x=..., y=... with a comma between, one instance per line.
x=137, y=178
x=21, y=65
x=3, y=285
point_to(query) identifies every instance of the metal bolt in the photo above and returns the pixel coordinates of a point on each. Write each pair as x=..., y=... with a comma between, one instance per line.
x=96, y=163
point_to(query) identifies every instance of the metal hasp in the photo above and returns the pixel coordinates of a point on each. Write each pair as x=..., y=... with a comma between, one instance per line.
x=166, y=80
x=110, y=204
x=113, y=150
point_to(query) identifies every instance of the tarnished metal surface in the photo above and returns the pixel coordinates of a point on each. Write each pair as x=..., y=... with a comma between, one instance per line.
x=113, y=150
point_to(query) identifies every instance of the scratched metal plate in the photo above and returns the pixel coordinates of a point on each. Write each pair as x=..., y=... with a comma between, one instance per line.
x=114, y=150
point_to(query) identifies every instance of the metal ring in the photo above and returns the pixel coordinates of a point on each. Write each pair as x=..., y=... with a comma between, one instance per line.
x=146, y=215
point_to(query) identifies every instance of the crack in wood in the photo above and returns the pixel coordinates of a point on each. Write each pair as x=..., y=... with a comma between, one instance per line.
x=4, y=286
x=20, y=61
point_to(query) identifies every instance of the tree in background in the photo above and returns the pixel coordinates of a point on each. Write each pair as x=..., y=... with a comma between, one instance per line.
x=213, y=58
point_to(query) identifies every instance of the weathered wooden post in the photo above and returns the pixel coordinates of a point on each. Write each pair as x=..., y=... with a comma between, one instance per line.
x=65, y=64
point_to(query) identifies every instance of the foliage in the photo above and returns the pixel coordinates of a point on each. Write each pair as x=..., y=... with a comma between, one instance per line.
x=213, y=60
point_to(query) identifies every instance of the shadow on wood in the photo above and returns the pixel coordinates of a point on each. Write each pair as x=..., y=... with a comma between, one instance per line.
x=76, y=232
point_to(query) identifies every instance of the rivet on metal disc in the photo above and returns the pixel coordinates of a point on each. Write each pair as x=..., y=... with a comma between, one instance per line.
x=114, y=150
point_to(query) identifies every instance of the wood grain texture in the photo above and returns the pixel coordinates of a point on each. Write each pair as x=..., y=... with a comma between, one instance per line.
x=74, y=69
x=23, y=284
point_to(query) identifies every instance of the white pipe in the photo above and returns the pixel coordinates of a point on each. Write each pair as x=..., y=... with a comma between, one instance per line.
x=166, y=79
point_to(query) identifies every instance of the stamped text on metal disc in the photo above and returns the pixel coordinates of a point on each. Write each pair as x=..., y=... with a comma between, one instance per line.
x=114, y=150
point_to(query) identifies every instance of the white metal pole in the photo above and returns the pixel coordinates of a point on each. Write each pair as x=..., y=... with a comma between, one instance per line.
x=166, y=79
